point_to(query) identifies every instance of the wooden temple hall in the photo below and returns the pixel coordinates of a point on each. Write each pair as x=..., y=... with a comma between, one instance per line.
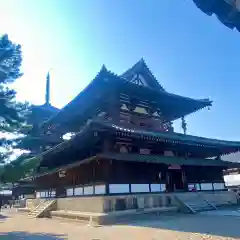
x=121, y=141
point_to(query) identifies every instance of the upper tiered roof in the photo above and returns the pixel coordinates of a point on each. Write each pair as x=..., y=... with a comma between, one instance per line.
x=137, y=80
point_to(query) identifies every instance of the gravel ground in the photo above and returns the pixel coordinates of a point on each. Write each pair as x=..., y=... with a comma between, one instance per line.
x=172, y=227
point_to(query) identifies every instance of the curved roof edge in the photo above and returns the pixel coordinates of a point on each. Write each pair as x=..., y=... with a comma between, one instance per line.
x=227, y=11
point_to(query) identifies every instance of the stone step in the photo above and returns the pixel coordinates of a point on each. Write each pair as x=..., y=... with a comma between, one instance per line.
x=40, y=208
x=201, y=207
x=198, y=204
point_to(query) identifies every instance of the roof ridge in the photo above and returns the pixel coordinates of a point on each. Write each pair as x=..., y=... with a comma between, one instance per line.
x=141, y=65
x=149, y=70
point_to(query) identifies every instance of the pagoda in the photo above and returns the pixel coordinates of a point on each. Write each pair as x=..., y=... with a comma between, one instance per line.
x=123, y=143
x=41, y=113
x=36, y=142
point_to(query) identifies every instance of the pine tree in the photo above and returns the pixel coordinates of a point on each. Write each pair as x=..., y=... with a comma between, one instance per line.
x=12, y=113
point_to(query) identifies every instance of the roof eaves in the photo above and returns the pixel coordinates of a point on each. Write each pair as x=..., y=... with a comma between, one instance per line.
x=152, y=75
x=67, y=142
x=174, y=136
x=206, y=101
x=103, y=73
x=65, y=167
x=226, y=11
x=163, y=159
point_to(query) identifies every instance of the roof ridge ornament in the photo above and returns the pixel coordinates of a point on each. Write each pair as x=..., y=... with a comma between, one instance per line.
x=103, y=68
x=105, y=73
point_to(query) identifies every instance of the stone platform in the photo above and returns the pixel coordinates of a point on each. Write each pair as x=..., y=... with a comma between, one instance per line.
x=109, y=218
x=104, y=209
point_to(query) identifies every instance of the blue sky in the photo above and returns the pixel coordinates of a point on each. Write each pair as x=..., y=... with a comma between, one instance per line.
x=190, y=53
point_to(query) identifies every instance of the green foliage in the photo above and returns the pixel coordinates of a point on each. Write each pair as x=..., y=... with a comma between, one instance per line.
x=22, y=167
x=12, y=113
x=10, y=60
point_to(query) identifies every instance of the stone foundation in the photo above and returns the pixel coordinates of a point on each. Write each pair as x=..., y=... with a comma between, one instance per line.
x=106, y=204
x=109, y=204
x=95, y=219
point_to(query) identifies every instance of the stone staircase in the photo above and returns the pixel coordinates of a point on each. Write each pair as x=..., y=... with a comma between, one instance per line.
x=42, y=209
x=196, y=203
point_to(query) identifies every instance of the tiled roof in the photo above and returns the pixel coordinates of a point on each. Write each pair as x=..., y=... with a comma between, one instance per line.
x=165, y=159
x=158, y=159
x=168, y=136
x=174, y=103
x=145, y=134
x=141, y=67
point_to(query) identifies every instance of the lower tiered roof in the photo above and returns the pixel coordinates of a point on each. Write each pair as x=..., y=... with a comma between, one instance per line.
x=166, y=160
x=87, y=136
x=135, y=132
x=170, y=136
x=142, y=158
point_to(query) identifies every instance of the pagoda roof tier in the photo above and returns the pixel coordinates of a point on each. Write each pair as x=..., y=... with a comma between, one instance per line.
x=137, y=81
x=40, y=113
x=46, y=107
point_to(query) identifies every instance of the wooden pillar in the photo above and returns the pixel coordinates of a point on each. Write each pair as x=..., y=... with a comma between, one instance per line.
x=108, y=144
x=114, y=106
x=107, y=188
x=184, y=180
x=108, y=174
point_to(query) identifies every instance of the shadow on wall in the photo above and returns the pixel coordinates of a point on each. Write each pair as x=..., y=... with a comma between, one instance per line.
x=30, y=236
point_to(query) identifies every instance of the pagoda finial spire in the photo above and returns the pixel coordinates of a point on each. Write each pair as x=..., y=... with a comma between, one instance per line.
x=47, y=93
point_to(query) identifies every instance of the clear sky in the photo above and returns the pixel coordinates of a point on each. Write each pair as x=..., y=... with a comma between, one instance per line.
x=190, y=53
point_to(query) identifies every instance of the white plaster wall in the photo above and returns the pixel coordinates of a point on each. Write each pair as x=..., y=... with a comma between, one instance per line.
x=155, y=187
x=119, y=188
x=100, y=189
x=88, y=190
x=139, y=188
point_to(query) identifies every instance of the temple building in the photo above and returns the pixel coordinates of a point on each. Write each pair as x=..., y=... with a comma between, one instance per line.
x=123, y=143
x=227, y=11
